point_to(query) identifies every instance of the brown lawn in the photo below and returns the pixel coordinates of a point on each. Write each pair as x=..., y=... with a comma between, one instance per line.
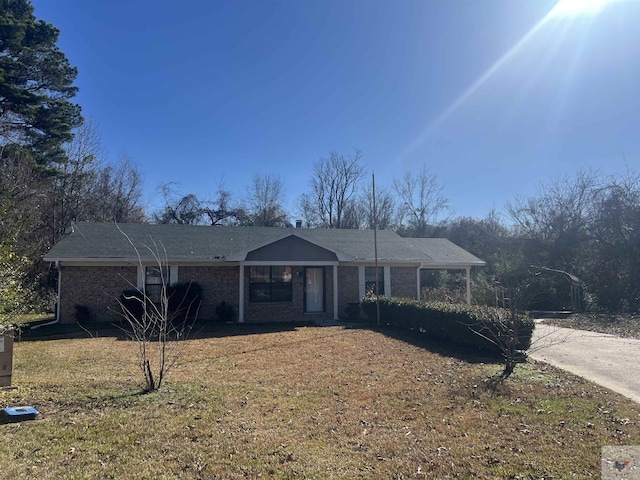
x=309, y=402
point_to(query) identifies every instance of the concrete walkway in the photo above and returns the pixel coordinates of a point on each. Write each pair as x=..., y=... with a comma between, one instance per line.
x=610, y=361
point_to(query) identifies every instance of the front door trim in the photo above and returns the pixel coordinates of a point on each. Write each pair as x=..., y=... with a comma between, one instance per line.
x=322, y=285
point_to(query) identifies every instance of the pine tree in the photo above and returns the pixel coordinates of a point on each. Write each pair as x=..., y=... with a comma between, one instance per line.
x=36, y=84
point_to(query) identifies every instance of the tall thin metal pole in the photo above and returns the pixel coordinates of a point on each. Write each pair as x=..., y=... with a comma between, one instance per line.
x=375, y=246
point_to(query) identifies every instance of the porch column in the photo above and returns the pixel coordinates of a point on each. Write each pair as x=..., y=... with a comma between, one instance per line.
x=418, y=283
x=361, y=291
x=335, y=292
x=241, y=290
x=468, y=285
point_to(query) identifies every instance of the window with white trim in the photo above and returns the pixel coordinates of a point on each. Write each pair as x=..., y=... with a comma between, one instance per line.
x=370, y=280
x=154, y=279
x=270, y=284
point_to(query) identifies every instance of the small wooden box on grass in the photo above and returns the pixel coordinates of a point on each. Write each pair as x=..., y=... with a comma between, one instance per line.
x=6, y=355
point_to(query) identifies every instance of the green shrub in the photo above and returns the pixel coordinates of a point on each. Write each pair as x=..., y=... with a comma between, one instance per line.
x=460, y=323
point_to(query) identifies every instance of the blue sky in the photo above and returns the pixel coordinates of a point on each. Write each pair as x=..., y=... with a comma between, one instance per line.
x=493, y=96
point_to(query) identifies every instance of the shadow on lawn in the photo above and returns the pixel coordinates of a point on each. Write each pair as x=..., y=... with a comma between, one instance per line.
x=208, y=329
x=200, y=329
x=438, y=346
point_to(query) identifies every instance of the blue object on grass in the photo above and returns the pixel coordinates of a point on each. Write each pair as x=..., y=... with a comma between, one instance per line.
x=18, y=414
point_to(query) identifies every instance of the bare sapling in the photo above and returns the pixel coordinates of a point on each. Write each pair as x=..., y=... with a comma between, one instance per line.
x=508, y=332
x=158, y=330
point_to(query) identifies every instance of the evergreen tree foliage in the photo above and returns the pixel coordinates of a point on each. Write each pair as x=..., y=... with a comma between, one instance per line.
x=36, y=84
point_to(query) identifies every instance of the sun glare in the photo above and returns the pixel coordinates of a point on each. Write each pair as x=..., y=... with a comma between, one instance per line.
x=567, y=8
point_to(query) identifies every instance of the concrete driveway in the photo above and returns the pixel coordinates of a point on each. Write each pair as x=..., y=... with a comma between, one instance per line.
x=610, y=361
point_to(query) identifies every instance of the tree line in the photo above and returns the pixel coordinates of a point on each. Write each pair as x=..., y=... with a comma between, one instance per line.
x=53, y=171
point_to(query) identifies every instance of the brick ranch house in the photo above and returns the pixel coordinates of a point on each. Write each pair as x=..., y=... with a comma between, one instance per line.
x=266, y=274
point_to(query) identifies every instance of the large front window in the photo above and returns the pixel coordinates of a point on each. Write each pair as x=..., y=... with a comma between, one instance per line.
x=155, y=279
x=270, y=284
x=370, y=280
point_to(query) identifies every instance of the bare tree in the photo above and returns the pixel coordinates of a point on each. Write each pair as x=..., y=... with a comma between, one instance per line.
x=355, y=214
x=265, y=202
x=222, y=210
x=421, y=201
x=385, y=208
x=25, y=231
x=333, y=185
x=74, y=176
x=614, y=228
x=115, y=193
x=556, y=218
x=182, y=210
x=359, y=211
x=191, y=210
x=153, y=325
x=512, y=331
x=506, y=334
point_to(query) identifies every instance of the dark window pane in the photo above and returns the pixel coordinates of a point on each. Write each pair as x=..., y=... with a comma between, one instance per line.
x=281, y=292
x=154, y=277
x=260, y=292
x=153, y=293
x=370, y=280
x=281, y=274
x=370, y=274
x=259, y=275
x=270, y=284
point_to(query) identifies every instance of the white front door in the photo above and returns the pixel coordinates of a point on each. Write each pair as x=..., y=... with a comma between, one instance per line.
x=314, y=289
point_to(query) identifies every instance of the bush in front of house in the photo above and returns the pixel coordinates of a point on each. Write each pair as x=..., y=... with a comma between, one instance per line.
x=83, y=314
x=459, y=323
x=183, y=300
x=225, y=312
x=131, y=301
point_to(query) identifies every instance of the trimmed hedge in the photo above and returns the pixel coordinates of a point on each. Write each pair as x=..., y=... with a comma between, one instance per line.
x=454, y=322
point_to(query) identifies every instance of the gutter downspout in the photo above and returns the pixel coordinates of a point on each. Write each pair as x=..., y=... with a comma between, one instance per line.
x=57, y=319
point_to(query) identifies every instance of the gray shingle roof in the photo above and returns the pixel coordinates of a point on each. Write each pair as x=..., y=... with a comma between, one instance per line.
x=443, y=251
x=101, y=241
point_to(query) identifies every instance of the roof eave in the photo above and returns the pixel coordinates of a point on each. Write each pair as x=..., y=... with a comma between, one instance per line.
x=130, y=260
x=445, y=265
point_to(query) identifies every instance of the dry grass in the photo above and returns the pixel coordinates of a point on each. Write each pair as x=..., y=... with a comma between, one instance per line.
x=23, y=318
x=303, y=403
x=621, y=325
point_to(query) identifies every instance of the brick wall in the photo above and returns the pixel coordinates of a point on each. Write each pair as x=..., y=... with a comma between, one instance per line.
x=403, y=282
x=328, y=292
x=348, y=290
x=218, y=284
x=276, y=311
x=97, y=288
